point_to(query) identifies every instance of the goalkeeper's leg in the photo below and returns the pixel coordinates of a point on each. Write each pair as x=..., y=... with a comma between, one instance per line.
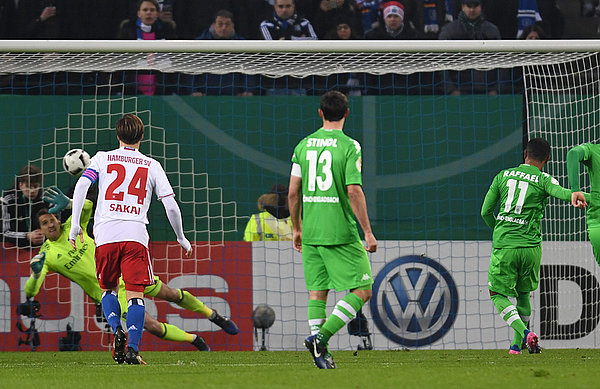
x=186, y=300
x=172, y=333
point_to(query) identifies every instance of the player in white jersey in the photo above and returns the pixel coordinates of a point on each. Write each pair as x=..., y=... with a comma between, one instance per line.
x=126, y=179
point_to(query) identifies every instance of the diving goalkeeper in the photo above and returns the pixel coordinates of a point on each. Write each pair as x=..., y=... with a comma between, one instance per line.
x=56, y=254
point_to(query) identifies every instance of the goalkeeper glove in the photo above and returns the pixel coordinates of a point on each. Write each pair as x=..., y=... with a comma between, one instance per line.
x=57, y=197
x=37, y=263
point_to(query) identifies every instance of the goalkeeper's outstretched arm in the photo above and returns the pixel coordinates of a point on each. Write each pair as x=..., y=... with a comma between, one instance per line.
x=39, y=269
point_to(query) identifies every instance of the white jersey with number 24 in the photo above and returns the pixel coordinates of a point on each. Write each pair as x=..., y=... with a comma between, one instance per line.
x=126, y=180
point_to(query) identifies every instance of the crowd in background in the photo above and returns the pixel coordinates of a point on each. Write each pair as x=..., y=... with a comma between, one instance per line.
x=283, y=19
x=189, y=19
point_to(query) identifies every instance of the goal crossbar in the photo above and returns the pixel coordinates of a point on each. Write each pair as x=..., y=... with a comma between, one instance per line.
x=284, y=58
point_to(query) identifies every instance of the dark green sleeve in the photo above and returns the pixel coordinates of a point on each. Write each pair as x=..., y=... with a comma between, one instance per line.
x=489, y=205
x=574, y=157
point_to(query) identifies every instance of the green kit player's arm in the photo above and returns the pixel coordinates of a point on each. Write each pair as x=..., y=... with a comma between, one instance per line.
x=555, y=190
x=574, y=157
x=489, y=205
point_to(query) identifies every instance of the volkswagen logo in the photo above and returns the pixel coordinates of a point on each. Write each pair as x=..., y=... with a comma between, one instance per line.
x=415, y=301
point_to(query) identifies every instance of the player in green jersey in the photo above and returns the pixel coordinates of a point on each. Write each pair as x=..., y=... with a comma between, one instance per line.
x=522, y=193
x=326, y=183
x=588, y=154
x=56, y=254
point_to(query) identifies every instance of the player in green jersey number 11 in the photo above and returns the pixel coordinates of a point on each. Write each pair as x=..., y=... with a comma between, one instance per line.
x=523, y=193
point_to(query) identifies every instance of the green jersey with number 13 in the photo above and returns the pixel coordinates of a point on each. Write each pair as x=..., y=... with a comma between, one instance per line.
x=523, y=193
x=329, y=161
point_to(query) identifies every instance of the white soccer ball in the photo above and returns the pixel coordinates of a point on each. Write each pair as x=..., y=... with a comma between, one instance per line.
x=76, y=161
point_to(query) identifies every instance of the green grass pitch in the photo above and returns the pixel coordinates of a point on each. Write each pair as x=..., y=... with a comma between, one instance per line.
x=563, y=368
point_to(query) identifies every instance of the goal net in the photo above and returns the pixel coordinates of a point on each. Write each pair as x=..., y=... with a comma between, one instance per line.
x=436, y=121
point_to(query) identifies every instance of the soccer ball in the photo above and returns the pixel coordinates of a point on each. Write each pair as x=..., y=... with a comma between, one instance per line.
x=76, y=161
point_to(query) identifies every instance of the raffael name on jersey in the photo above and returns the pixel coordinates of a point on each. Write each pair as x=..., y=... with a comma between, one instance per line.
x=525, y=176
x=128, y=159
x=317, y=142
x=125, y=208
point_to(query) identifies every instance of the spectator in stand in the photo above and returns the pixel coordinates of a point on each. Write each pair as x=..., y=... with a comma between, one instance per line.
x=195, y=16
x=330, y=10
x=428, y=16
x=504, y=14
x=222, y=27
x=147, y=27
x=342, y=30
x=49, y=19
x=347, y=83
x=371, y=13
x=470, y=25
x=287, y=24
x=533, y=31
x=394, y=26
x=233, y=84
x=20, y=205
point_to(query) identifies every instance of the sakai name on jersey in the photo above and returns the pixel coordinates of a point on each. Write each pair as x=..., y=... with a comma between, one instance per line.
x=124, y=208
x=317, y=142
x=528, y=177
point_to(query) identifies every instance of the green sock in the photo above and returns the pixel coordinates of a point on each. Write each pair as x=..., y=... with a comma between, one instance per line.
x=191, y=303
x=175, y=334
x=509, y=313
x=524, y=309
x=344, y=311
x=317, y=313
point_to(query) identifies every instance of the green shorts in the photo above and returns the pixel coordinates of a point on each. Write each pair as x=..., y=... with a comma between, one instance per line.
x=339, y=267
x=151, y=290
x=514, y=270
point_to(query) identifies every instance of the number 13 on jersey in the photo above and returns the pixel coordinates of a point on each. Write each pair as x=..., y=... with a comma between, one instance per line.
x=319, y=170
